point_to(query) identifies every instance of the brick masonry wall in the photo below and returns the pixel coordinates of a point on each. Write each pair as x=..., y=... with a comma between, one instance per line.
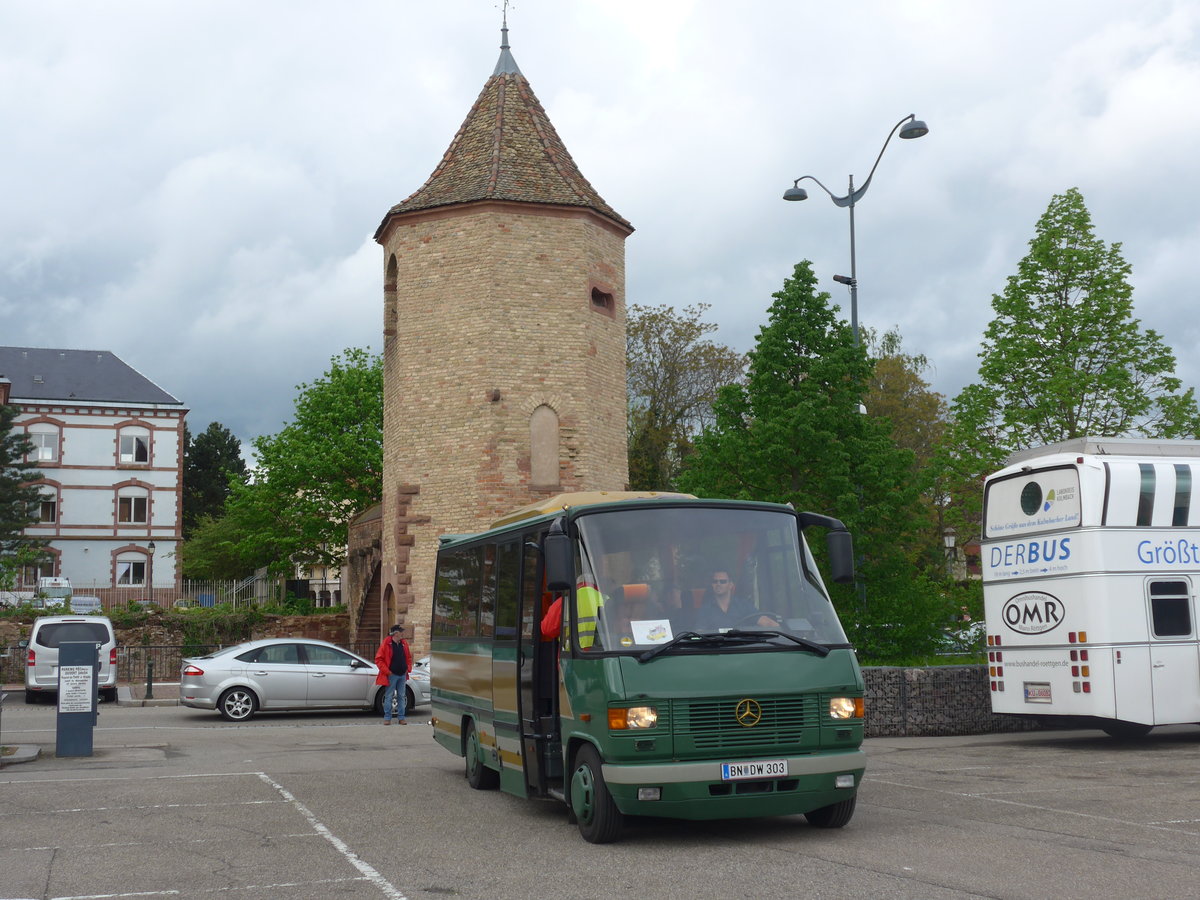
x=940, y=700
x=493, y=318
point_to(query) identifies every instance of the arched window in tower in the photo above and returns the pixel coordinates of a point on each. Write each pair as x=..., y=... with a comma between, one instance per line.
x=543, y=447
x=603, y=301
x=390, y=314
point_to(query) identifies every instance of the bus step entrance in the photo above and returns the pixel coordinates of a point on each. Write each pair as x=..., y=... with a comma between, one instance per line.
x=550, y=746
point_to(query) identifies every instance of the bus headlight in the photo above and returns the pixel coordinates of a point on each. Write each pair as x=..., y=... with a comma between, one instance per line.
x=845, y=707
x=623, y=718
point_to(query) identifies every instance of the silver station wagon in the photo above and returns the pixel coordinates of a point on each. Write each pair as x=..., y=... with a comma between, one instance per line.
x=287, y=674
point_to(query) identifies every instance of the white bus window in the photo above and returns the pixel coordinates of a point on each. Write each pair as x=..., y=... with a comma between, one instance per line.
x=1170, y=608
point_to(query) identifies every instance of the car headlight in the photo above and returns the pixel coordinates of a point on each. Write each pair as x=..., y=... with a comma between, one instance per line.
x=418, y=676
x=845, y=707
x=623, y=718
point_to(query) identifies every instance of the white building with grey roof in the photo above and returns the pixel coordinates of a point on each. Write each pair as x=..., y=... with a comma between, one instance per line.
x=109, y=445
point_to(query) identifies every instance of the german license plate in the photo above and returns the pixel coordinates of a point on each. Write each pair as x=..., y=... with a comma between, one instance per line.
x=1037, y=692
x=742, y=771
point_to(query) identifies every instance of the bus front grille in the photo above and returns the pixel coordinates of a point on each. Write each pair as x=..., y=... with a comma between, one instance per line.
x=786, y=723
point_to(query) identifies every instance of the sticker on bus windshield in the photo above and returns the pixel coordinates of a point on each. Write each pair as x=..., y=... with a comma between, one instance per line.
x=651, y=631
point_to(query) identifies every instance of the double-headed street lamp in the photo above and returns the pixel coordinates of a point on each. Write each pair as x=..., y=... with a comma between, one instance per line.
x=914, y=128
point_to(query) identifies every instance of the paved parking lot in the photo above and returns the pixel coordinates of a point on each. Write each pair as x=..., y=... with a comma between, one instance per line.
x=178, y=803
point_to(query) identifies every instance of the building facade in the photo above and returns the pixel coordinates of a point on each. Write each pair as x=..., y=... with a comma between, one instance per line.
x=108, y=444
x=504, y=339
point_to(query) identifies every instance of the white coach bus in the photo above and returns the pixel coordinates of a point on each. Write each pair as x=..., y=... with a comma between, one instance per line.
x=1091, y=557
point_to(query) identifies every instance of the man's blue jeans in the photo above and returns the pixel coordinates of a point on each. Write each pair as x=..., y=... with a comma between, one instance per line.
x=394, y=693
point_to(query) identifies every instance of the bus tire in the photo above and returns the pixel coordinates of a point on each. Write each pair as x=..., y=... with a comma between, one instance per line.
x=1125, y=731
x=479, y=776
x=835, y=815
x=600, y=822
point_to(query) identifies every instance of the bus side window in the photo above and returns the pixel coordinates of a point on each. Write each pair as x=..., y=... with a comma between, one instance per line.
x=487, y=601
x=508, y=579
x=458, y=593
x=1170, y=608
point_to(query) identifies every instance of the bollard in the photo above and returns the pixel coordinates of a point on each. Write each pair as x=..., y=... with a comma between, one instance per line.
x=149, y=677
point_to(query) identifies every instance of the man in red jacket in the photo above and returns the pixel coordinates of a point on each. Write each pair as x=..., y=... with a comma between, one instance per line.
x=394, y=660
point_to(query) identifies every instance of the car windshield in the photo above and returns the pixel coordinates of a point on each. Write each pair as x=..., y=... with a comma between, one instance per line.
x=649, y=575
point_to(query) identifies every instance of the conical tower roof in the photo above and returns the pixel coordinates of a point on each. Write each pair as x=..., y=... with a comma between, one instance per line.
x=506, y=149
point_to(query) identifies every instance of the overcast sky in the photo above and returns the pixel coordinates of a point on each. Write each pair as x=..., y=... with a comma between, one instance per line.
x=194, y=185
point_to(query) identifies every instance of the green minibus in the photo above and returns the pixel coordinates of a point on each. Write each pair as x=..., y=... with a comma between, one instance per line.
x=650, y=654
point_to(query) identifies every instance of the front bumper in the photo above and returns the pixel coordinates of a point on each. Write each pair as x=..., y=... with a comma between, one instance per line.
x=694, y=790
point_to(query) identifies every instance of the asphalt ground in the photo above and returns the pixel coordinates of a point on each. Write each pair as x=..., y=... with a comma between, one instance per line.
x=178, y=803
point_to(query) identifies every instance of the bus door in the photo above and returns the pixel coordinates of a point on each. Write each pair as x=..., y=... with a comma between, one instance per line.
x=506, y=575
x=1174, y=658
x=538, y=675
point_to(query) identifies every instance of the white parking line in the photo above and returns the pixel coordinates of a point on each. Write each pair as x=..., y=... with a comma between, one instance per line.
x=368, y=872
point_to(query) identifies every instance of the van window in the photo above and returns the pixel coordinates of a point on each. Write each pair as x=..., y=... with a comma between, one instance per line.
x=55, y=634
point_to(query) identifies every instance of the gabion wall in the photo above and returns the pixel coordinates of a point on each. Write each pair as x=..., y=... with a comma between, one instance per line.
x=936, y=701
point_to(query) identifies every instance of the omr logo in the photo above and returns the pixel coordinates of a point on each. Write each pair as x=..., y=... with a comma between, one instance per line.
x=1033, y=612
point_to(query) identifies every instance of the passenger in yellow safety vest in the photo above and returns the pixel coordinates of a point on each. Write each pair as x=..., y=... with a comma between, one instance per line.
x=588, y=601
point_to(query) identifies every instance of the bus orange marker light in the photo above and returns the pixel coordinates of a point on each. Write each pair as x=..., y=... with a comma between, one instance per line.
x=618, y=719
x=1083, y=637
x=585, y=717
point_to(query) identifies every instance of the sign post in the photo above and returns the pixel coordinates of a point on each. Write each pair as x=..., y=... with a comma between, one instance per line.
x=78, y=688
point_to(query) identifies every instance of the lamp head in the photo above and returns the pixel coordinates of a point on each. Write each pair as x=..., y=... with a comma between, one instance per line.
x=795, y=193
x=843, y=279
x=914, y=129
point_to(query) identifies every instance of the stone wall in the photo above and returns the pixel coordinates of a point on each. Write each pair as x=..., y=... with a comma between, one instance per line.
x=939, y=700
x=493, y=336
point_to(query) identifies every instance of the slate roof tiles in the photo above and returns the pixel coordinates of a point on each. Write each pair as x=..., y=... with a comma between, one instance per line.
x=506, y=149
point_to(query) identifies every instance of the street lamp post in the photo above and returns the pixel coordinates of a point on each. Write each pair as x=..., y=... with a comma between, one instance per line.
x=150, y=574
x=914, y=128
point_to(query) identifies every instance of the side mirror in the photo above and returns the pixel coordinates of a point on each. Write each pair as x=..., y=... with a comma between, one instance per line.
x=841, y=556
x=559, y=558
x=23, y=644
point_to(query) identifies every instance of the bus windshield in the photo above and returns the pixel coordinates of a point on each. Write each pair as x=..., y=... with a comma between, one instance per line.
x=646, y=576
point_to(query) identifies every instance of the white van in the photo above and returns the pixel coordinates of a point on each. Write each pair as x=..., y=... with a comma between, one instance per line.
x=49, y=632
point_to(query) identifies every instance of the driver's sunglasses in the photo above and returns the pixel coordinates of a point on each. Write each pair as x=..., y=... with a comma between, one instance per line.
x=720, y=581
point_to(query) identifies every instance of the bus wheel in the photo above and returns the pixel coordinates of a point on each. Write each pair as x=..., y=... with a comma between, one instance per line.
x=599, y=819
x=835, y=815
x=1125, y=731
x=479, y=776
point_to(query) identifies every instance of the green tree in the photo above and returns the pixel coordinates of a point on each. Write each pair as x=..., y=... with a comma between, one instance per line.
x=19, y=500
x=674, y=374
x=1063, y=358
x=210, y=459
x=318, y=473
x=795, y=433
x=898, y=392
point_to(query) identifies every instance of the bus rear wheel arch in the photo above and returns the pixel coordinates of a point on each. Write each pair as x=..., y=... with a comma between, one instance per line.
x=600, y=822
x=479, y=776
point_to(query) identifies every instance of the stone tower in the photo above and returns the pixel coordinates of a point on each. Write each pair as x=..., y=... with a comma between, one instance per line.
x=504, y=338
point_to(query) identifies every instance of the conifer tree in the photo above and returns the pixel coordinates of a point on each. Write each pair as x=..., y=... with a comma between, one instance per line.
x=796, y=432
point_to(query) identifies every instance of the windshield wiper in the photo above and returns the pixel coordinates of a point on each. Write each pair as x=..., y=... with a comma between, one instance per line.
x=688, y=636
x=734, y=635
x=819, y=649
